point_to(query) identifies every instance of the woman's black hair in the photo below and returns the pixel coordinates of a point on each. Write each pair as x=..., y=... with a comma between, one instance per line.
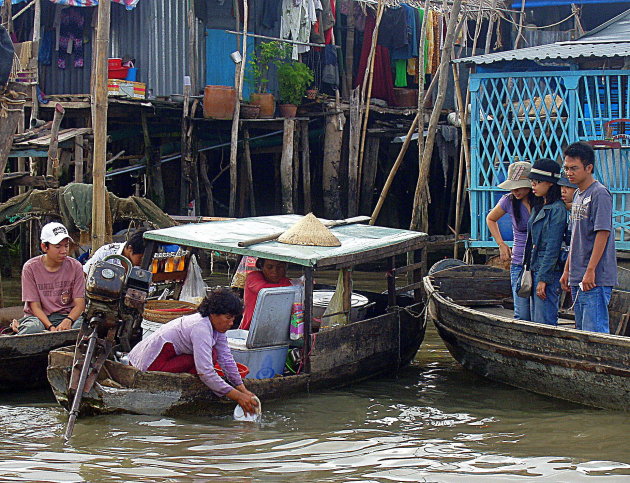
x=534, y=201
x=221, y=301
x=554, y=194
x=260, y=262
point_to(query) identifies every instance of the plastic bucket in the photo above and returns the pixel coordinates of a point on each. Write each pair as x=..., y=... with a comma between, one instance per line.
x=243, y=370
x=148, y=327
x=132, y=73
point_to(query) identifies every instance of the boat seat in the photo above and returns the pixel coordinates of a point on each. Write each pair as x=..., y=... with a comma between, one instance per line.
x=270, y=322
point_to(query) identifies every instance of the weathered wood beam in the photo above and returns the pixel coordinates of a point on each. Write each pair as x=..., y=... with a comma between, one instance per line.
x=286, y=165
x=52, y=164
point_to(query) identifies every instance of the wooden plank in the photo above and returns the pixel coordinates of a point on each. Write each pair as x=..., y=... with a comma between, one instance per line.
x=78, y=159
x=286, y=166
x=354, y=139
x=332, y=159
x=306, y=167
x=63, y=135
x=368, y=179
x=31, y=153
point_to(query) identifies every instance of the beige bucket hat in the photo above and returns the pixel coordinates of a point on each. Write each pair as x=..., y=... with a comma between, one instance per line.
x=518, y=173
x=309, y=231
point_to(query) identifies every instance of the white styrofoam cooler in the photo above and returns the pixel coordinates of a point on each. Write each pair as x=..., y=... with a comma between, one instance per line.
x=263, y=362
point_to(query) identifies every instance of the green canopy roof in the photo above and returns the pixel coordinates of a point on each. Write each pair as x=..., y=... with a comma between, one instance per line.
x=359, y=243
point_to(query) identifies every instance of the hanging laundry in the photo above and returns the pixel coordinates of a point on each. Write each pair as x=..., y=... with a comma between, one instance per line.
x=70, y=39
x=410, y=49
x=271, y=13
x=382, y=83
x=46, y=47
x=330, y=74
x=393, y=22
x=400, y=67
x=129, y=4
x=298, y=17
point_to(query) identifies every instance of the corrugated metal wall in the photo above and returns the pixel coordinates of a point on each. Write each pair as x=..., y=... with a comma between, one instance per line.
x=155, y=33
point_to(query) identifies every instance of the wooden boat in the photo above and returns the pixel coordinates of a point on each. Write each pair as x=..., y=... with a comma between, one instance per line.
x=23, y=358
x=380, y=344
x=469, y=306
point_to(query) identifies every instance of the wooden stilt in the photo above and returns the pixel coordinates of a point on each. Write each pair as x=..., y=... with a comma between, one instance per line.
x=306, y=167
x=350, y=28
x=370, y=165
x=248, y=168
x=203, y=171
x=8, y=128
x=354, y=138
x=99, y=121
x=419, y=219
x=155, y=186
x=21, y=162
x=347, y=292
x=52, y=165
x=296, y=168
x=34, y=63
x=78, y=159
x=330, y=172
x=286, y=166
x=237, y=112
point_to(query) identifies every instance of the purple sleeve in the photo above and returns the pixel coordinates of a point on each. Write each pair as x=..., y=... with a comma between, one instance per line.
x=29, y=287
x=203, y=343
x=226, y=360
x=602, y=210
x=78, y=286
x=506, y=203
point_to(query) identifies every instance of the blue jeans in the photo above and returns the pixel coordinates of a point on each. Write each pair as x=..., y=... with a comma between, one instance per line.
x=546, y=311
x=591, y=308
x=521, y=304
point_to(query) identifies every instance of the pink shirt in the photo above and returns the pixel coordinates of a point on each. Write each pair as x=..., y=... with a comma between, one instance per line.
x=55, y=291
x=254, y=282
x=192, y=334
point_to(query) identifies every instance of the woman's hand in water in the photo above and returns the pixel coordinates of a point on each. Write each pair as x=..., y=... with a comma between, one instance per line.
x=505, y=252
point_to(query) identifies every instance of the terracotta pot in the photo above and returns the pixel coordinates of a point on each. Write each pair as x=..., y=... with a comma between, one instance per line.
x=219, y=102
x=266, y=102
x=404, y=97
x=287, y=110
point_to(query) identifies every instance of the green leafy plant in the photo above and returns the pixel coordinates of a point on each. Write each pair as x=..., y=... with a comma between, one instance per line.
x=266, y=55
x=293, y=79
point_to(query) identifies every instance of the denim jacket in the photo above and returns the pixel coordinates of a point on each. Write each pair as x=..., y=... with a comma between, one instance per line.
x=546, y=229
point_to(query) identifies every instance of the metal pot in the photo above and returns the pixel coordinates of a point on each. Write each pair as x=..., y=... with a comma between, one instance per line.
x=321, y=299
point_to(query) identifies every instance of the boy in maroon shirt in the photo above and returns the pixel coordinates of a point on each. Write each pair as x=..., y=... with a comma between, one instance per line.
x=53, y=286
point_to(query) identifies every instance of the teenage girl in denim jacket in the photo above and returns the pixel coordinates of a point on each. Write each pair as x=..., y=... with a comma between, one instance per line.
x=546, y=229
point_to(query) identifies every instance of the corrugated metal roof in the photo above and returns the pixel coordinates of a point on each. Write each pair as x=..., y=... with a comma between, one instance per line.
x=611, y=39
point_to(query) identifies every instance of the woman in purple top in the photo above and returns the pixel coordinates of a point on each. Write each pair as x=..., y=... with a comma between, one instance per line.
x=518, y=203
x=192, y=344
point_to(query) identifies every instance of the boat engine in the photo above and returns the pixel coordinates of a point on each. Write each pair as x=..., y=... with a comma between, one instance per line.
x=115, y=302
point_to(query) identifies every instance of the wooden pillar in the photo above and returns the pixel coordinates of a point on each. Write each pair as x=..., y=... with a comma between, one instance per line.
x=247, y=155
x=296, y=168
x=78, y=159
x=99, y=123
x=349, y=50
x=34, y=63
x=306, y=168
x=21, y=162
x=332, y=159
x=286, y=165
x=8, y=128
x=155, y=186
x=370, y=165
x=207, y=185
x=52, y=164
x=354, y=137
x=237, y=112
x=308, y=316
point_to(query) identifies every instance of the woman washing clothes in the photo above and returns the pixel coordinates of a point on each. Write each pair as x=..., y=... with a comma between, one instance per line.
x=272, y=273
x=546, y=230
x=518, y=203
x=194, y=342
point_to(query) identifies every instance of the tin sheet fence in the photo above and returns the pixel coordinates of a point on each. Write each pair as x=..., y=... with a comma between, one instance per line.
x=520, y=116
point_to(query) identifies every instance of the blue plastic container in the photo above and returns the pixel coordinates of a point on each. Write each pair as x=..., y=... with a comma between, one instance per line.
x=132, y=73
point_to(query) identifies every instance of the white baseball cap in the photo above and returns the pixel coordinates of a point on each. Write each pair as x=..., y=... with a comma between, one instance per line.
x=54, y=233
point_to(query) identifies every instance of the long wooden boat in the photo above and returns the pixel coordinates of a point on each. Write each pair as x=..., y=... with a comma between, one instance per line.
x=469, y=306
x=23, y=358
x=386, y=340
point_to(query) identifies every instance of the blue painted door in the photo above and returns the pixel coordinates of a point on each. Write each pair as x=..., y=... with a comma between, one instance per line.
x=219, y=66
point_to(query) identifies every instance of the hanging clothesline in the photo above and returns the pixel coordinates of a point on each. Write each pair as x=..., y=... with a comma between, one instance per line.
x=129, y=4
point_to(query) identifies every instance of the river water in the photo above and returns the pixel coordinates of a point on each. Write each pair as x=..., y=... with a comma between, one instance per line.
x=434, y=422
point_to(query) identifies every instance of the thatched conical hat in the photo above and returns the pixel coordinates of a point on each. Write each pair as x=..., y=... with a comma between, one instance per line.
x=309, y=231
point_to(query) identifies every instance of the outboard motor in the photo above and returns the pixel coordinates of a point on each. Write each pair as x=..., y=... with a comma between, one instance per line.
x=115, y=302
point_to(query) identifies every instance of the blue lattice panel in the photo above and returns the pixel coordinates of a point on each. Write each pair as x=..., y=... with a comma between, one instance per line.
x=531, y=115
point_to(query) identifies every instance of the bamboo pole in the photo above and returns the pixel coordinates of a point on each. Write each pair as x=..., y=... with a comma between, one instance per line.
x=519, y=35
x=418, y=221
x=237, y=112
x=368, y=95
x=99, y=123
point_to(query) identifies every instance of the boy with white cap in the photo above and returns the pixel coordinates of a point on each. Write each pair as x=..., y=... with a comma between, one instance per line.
x=53, y=286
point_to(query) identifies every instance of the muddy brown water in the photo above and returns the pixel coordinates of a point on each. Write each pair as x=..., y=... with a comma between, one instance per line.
x=434, y=421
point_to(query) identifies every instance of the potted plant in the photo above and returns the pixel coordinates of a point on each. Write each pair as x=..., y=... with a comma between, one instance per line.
x=266, y=55
x=293, y=79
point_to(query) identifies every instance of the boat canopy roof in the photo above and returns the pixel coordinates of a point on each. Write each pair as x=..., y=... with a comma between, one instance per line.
x=359, y=243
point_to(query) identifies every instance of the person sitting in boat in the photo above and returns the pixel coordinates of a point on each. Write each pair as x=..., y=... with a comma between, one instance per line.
x=546, y=229
x=133, y=249
x=270, y=273
x=194, y=342
x=518, y=203
x=53, y=286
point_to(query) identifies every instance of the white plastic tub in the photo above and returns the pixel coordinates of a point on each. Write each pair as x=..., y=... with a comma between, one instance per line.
x=148, y=327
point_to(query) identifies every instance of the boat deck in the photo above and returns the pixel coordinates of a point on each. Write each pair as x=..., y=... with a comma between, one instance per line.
x=503, y=312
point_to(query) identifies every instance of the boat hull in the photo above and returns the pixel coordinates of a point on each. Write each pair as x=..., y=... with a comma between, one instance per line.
x=340, y=356
x=577, y=366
